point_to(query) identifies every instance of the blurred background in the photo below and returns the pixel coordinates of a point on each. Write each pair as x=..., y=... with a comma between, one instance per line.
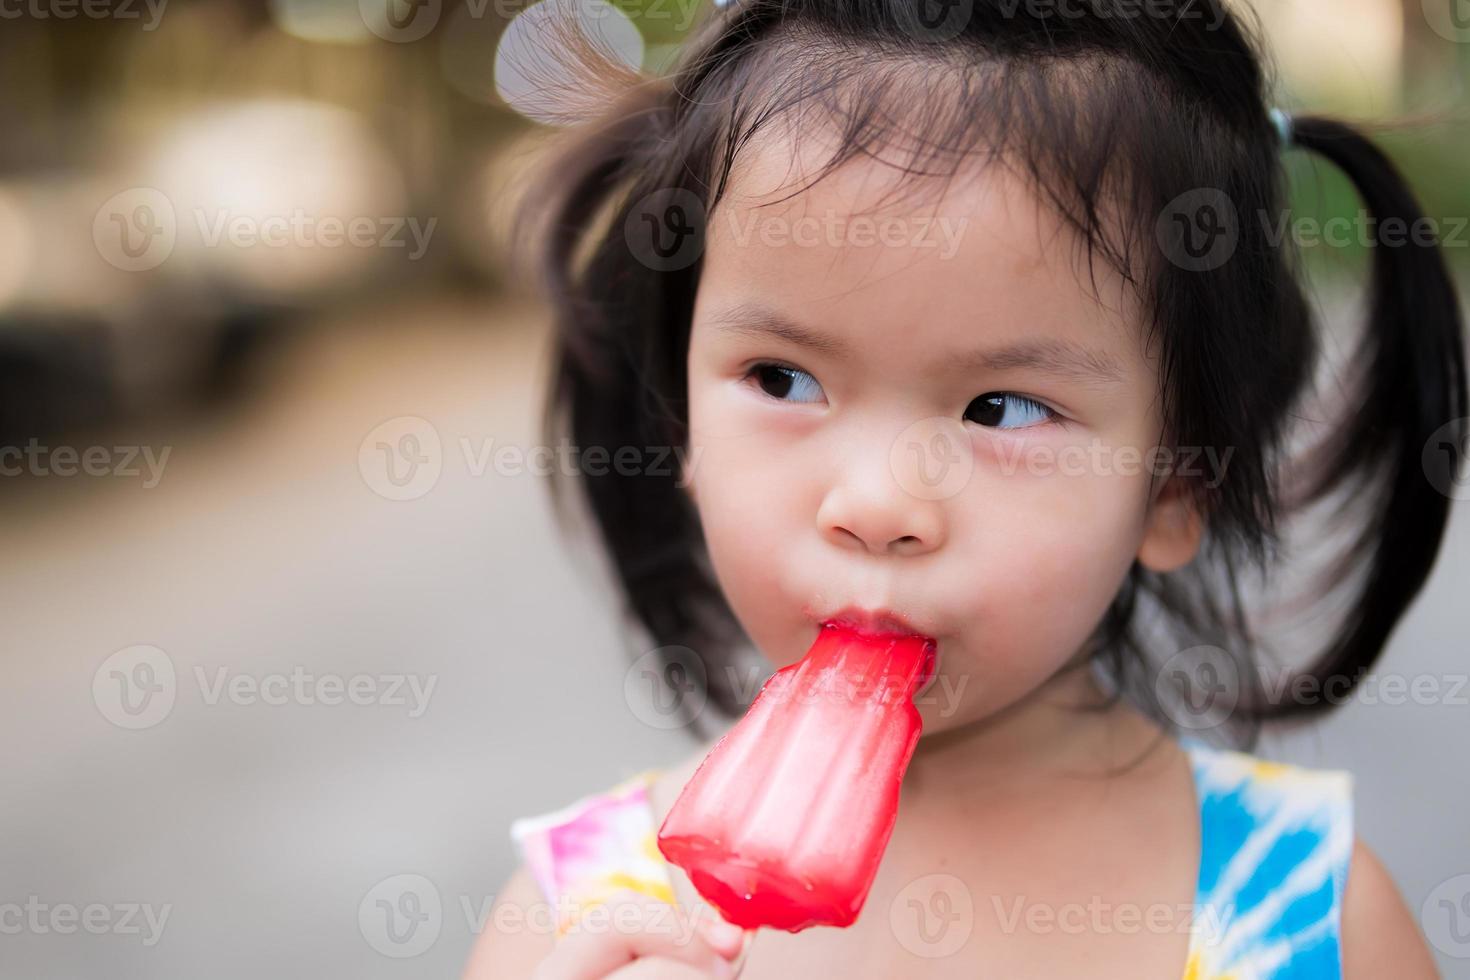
x=278, y=623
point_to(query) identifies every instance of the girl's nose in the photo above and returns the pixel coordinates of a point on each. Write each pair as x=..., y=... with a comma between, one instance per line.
x=880, y=517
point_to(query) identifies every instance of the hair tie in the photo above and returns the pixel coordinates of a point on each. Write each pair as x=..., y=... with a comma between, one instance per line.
x=1282, y=119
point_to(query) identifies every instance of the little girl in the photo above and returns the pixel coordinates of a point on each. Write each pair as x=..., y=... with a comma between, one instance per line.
x=971, y=320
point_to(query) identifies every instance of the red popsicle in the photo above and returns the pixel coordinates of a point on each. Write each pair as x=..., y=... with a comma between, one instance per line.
x=784, y=823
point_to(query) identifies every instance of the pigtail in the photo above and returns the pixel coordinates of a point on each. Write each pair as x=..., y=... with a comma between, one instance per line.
x=618, y=375
x=1408, y=388
x=622, y=307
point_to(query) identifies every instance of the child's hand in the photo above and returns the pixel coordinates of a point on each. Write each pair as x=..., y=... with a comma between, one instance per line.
x=641, y=938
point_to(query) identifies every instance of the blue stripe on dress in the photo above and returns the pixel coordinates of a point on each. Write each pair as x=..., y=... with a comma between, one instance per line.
x=1275, y=845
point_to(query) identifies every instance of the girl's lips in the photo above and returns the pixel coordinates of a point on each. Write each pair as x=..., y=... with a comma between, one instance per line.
x=874, y=621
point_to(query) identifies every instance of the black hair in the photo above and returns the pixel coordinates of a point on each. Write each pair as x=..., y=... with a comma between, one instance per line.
x=1131, y=121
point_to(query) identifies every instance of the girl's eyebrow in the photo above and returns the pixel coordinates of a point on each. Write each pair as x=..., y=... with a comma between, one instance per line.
x=1060, y=359
x=754, y=319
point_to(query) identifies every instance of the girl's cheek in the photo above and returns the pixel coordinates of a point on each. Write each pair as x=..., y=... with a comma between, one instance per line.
x=1047, y=555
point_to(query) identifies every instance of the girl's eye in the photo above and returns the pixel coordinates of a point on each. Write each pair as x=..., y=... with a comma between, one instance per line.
x=786, y=383
x=1003, y=410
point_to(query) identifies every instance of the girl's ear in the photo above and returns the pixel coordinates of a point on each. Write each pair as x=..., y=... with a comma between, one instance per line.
x=1172, y=530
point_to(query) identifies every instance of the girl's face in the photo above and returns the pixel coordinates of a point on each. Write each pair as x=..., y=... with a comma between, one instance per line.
x=912, y=411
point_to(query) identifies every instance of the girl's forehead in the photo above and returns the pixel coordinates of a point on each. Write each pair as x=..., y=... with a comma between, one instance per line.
x=780, y=161
x=868, y=235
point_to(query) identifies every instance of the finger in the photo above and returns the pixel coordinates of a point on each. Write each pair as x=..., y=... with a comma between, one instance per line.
x=726, y=939
x=628, y=927
x=658, y=968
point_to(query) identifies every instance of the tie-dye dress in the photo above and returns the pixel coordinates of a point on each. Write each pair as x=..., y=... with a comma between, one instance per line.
x=1276, y=839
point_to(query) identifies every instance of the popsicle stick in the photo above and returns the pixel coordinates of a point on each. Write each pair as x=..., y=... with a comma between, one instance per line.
x=746, y=941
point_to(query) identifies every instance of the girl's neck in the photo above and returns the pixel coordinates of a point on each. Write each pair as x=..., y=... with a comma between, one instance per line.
x=1058, y=732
